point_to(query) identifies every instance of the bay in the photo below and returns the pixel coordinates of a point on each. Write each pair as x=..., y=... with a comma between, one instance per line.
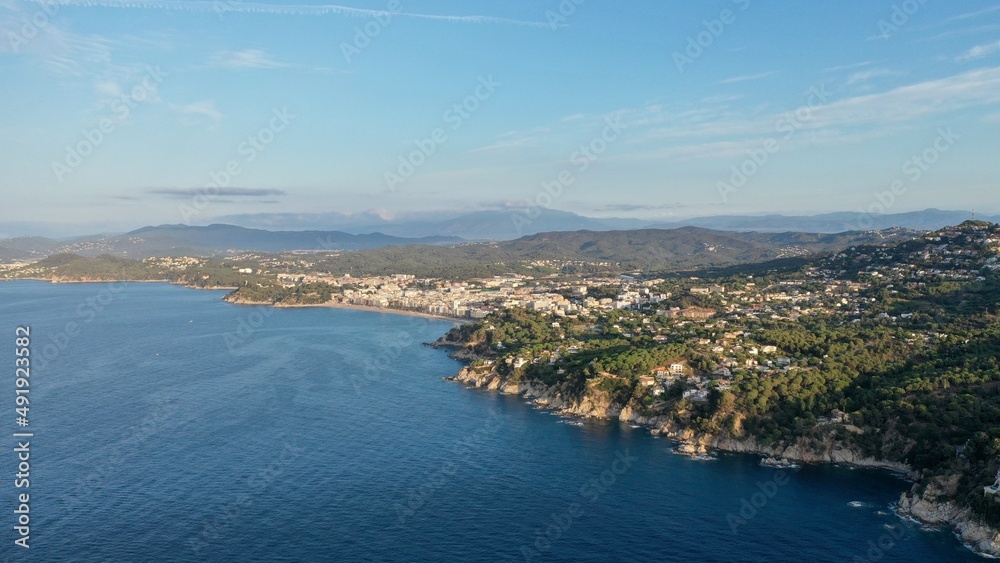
x=170, y=425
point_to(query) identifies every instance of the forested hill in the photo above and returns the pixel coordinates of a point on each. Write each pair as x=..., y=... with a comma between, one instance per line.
x=580, y=252
x=885, y=353
x=687, y=247
x=648, y=250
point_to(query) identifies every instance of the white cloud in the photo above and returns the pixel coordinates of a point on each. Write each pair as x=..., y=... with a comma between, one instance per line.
x=515, y=143
x=979, y=51
x=866, y=75
x=975, y=14
x=231, y=6
x=203, y=108
x=722, y=99
x=247, y=58
x=965, y=32
x=737, y=79
x=684, y=133
x=66, y=54
x=847, y=67
x=61, y=52
x=109, y=89
x=906, y=103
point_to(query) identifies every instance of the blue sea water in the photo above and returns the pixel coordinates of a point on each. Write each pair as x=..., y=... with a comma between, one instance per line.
x=170, y=425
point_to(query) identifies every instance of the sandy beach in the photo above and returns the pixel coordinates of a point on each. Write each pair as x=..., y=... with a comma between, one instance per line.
x=336, y=305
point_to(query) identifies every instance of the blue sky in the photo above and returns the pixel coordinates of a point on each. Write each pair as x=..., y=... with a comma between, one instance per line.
x=647, y=109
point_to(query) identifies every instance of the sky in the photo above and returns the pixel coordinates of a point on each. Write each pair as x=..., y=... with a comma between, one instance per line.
x=120, y=114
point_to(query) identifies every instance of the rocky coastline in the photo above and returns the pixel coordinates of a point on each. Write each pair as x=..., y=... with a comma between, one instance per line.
x=930, y=507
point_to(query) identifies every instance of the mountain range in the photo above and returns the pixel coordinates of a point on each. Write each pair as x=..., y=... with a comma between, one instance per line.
x=650, y=250
x=369, y=231
x=176, y=240
x=510, y=224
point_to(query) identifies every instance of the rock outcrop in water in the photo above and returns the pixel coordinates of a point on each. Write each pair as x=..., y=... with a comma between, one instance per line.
x=932, y=506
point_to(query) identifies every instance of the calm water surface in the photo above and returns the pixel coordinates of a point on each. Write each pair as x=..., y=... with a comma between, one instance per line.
x=174, y=426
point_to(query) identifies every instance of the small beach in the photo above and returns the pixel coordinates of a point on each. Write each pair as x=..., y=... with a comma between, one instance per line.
x=336, y=305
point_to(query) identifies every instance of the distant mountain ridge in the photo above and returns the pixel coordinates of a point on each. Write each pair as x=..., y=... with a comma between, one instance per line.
x=512, y=224
x=174, y=240
x=926, y=220
x=507, y=224
x=645, y=249
x=649, y=250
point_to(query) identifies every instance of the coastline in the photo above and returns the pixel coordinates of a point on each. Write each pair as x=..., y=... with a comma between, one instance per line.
x=690, y=443
x=927, y=508
x=349, y=306
x=335, y=305
x=329, y=304
x=171, y=282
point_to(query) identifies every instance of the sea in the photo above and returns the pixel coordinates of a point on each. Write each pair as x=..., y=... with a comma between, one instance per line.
x=169, y=425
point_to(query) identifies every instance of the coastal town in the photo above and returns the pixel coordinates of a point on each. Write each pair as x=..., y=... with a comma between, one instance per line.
x=712, y=317
x=501, y=281
x=777, y=352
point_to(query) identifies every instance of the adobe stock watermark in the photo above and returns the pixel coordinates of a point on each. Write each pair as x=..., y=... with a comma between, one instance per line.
x=878, y=548
x=454, y=117
x=32, y=25
x=223, y=8
x=913, y=169
x=390, y=349
x=580, y=160
x=559, y=523
x=249, y=149
x=713, y=29
x=246, y=327
x=750, y=507
x=789, y=124
x=85, y=487
x=557, y=19
x=228, y=515
x=86, y=312
x=418, y=497
x=364, y=35
x=899, y=17
x=122, y=108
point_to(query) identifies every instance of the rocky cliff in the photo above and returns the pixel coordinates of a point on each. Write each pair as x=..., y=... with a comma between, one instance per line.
x=930, y=506
x=933, y=506
x=592, y=403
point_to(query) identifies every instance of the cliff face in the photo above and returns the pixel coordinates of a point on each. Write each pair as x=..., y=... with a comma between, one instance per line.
x=824, y=452
x=930, y=507
x=933, y=507
x=592, y=403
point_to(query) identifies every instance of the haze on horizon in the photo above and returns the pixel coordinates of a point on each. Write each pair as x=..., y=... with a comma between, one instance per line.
x=120, y=114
